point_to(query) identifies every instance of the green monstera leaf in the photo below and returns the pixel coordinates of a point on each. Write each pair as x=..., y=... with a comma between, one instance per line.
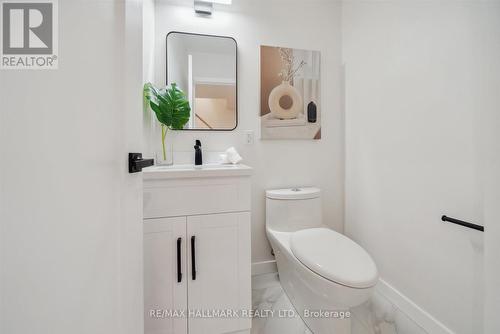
x=170, y=107
x=169, y=104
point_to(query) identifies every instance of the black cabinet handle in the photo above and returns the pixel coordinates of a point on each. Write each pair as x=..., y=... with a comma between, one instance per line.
x=193, y=258
x=179, y=269
x=462, y=223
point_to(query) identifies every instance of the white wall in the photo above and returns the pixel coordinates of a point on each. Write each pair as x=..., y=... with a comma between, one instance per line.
x=148, y=69
x=178, y=56
x=415, y=88
x=148, y=41
x=307, y=25
x=70, y=226
x=214, y=66
x=490, y=125
x=491, y=180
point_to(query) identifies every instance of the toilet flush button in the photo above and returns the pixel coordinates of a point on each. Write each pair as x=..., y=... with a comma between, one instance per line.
x=296, y=189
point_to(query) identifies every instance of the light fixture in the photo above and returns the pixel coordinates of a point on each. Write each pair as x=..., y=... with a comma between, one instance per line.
x=206, y=7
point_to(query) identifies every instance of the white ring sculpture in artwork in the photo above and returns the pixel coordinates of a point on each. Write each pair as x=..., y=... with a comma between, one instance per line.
x=280, y=91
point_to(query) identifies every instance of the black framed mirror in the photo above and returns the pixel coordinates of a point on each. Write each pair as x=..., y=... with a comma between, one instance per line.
x=205, y=68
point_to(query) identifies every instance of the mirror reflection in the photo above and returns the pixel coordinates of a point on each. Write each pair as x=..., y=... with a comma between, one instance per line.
x=204, y=67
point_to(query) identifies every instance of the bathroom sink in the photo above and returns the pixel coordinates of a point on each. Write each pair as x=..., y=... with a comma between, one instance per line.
x=189, y=171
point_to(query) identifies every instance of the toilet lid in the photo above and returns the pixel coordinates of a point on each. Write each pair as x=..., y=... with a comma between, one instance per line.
x=335, y=257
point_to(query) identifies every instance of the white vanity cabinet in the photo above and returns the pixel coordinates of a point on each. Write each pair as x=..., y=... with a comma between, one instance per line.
x=197, y=250
x=162, y=288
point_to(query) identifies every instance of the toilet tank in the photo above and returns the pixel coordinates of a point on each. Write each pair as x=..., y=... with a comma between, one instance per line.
x=290, y=210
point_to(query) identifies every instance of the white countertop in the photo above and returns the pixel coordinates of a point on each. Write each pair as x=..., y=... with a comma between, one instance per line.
x=192, y=171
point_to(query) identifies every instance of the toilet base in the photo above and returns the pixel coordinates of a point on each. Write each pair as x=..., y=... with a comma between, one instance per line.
x=320, y=319
x=323, y=305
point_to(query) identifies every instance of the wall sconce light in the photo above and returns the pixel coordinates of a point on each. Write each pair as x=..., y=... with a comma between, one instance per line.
x=205, y=7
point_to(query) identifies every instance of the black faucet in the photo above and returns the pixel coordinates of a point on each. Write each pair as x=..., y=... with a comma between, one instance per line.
x=198, y=159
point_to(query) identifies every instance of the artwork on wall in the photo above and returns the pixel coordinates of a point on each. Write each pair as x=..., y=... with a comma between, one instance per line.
x=290, y=104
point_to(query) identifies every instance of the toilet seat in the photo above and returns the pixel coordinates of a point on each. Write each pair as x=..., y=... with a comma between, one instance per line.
x=334, y=257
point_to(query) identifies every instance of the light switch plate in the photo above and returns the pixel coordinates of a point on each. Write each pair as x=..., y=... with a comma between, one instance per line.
x=249, y=137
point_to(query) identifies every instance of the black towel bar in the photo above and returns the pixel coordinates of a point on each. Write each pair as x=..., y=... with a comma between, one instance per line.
x=462, y=223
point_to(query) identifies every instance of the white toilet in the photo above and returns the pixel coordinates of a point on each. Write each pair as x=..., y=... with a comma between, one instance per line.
x=319, y=269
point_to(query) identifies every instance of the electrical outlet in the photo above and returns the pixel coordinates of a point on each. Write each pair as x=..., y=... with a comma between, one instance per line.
x=249, y=137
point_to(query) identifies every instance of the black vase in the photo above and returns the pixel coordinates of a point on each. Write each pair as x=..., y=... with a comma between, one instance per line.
x=312, y=112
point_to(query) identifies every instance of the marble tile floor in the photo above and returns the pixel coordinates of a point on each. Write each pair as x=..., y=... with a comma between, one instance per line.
x=377, y=316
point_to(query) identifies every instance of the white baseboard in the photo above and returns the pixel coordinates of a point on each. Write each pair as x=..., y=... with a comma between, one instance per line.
x=413, y=311
x=264, y=267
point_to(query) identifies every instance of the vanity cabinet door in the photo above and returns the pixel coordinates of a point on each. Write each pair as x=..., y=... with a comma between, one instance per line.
x=219, y=271
x=165, y=277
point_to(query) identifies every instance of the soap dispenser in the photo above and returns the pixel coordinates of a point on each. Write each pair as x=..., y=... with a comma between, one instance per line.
x=198, y=158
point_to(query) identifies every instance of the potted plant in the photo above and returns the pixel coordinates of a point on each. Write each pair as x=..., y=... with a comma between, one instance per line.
x=171, y=108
